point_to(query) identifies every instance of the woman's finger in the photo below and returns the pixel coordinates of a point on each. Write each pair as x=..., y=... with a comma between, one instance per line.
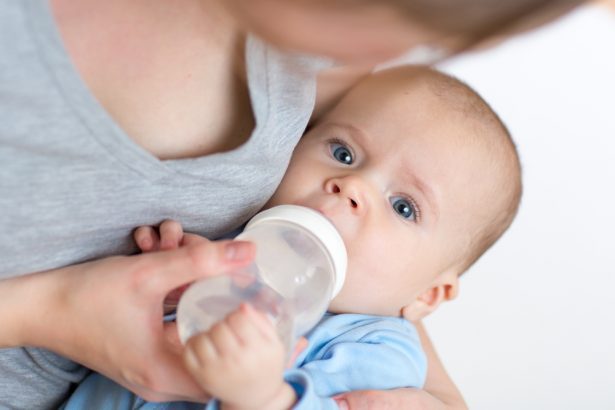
x=172, y=269
x=403, y=398
x=192, y=239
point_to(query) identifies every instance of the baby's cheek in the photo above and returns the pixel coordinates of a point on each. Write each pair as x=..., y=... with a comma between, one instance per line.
x=335, y=303
x=343, y=302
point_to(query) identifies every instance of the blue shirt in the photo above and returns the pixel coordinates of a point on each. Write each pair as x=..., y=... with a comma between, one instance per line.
x=346, y=352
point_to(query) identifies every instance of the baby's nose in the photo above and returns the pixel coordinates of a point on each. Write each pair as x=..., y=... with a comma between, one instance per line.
x=348, y=188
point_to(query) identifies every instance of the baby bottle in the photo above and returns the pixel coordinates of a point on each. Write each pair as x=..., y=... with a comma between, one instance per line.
x=300, y=266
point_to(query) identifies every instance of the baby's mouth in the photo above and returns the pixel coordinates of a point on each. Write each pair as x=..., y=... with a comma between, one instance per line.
x=337, y=228
x=323, y=213
x=321, y=210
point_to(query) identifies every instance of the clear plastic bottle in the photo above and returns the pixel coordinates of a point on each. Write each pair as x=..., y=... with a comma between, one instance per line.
x=300, y=266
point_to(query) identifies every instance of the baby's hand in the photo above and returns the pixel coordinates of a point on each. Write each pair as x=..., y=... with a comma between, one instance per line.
x=240, y=360
x=168, y=236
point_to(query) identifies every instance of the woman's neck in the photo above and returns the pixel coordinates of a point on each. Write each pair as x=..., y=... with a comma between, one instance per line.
x=171, y=74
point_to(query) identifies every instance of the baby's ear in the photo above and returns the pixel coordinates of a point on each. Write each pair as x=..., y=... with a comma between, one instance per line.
x=444, y=288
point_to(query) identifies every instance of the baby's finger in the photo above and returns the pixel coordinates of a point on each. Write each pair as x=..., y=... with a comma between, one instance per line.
x=171, y=234
x=243, y=326
x=223, y=338
x=146, y=239
x=262, y=324
x=199, y=349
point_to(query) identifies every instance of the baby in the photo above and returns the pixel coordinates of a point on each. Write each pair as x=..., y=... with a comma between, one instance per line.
x=420, y=177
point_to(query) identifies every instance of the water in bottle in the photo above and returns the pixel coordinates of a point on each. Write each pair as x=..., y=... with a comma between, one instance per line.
x=300, y=266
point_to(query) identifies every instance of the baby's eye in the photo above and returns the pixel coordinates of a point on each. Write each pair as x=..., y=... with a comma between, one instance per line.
x=404, y=207
x=341, y=153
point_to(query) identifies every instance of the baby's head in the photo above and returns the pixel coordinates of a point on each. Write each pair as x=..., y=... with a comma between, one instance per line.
x=419, y=176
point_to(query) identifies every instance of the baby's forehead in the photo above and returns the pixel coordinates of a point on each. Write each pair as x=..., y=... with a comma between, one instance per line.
x=440, y=89
x=421, y=104
x=411, y=100
x=393, y=85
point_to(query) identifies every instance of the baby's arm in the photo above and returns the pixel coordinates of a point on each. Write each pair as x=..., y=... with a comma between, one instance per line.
x=356, y=352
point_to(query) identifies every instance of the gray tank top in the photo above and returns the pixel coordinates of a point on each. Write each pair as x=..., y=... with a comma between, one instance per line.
x=73, y=185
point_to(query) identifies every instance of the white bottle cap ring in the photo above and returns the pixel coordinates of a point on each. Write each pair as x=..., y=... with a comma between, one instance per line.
x=319, y=226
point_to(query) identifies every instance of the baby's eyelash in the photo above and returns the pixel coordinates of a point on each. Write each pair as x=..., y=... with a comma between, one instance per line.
x=416, y=207
x=336, y=140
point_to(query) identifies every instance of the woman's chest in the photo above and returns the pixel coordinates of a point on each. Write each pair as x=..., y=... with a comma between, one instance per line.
x=172, y=82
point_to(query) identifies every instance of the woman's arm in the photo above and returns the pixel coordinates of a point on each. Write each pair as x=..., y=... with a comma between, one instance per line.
x=107, y=314
x=438, y=383
x=440, y=393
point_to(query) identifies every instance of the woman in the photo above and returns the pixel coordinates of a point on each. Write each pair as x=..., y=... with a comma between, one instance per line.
x=119, y=114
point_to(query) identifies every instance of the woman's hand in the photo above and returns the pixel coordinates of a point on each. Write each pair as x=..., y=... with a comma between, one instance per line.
x=414, y=399
x=107, y=314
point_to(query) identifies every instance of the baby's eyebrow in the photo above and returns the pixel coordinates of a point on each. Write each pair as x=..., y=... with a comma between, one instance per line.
x=357, y=134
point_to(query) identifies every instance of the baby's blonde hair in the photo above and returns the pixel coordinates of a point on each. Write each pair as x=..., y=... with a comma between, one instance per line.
x=489, y=128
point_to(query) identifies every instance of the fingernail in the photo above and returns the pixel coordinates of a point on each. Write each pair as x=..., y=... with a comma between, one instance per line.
x=342, y=404
x=237, y=251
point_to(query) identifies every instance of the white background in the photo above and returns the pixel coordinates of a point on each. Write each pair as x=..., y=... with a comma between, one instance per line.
x=534, y=327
